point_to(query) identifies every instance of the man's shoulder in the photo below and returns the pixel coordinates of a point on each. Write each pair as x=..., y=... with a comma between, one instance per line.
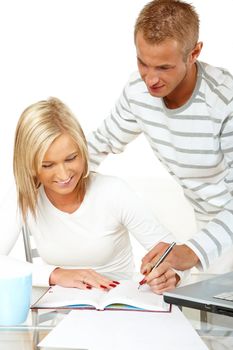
x=135, y=78
x=219, y=80
x=135, y=83
x=218, y=75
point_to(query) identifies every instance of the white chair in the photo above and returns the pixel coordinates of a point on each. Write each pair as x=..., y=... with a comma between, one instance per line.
x=30, y=253
x=32, y=256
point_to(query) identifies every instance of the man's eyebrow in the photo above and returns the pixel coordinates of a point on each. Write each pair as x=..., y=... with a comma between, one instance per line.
x=141, y=61
x=165, y=65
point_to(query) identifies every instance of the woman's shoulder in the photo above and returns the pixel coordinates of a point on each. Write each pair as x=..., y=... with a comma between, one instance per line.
x=111, y=190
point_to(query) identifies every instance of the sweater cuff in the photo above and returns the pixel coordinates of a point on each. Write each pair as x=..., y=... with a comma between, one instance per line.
x=41, y=274
x=184, y=275
x=201, y=253
x=168, y=238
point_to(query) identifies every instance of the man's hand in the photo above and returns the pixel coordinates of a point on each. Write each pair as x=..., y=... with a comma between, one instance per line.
x=180, y=258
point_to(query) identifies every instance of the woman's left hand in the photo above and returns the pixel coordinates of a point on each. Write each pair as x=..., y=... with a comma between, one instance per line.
x=162, y=279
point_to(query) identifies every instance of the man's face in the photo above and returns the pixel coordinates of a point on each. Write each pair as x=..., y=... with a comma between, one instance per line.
x=162, y=66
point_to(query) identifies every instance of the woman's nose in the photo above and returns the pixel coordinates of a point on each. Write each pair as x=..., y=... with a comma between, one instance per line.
x=62, y=172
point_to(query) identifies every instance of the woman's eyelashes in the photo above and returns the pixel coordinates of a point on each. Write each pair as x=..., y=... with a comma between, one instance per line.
x=69, y=159
x=47, y=165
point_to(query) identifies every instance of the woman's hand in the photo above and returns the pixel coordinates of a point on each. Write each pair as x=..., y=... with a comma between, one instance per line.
x=80, y=278
x=162, y=279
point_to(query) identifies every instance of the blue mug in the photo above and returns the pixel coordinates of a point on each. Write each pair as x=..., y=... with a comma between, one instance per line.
x=15, y=291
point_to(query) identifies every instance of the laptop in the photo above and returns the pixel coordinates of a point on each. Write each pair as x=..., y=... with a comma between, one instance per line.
x=212, y=295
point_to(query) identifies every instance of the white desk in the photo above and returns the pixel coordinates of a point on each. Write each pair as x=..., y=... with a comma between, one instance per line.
x=217, y=335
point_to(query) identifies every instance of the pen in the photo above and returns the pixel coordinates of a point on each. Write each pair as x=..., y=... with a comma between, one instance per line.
x=161, y=259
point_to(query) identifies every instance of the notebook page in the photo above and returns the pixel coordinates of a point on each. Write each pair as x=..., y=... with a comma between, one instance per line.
x=127, y=292
x=58, y=296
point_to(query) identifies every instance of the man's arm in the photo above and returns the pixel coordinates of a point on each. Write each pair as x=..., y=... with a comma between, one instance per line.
x=116, y=131
x=216, y=237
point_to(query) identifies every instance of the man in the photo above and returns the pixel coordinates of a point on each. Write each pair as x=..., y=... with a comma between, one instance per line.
x=185, y=110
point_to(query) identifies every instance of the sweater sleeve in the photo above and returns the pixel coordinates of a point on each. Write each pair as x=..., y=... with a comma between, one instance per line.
x=216, y=237
x=41, y=273
x=11, y=222
x=141, y=223
x=116, y=131
x=137, y=217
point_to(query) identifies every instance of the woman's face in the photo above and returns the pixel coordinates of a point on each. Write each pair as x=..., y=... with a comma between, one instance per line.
x=62, y=166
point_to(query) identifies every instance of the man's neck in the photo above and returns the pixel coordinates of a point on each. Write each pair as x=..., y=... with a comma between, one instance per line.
x=182, y=93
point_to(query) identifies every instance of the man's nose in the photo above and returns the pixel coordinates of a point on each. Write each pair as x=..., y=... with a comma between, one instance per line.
x=151, y=77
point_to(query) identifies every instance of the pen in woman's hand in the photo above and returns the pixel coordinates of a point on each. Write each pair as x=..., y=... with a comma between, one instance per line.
x=161, y=259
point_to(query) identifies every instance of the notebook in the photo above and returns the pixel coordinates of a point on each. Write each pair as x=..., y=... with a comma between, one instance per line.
x=125, y=296
x=206, y=295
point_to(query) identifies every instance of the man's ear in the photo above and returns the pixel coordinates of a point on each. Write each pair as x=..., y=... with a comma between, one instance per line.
x=196, y=52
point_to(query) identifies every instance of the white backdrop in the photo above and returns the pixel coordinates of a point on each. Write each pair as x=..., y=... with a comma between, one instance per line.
x=83, y=52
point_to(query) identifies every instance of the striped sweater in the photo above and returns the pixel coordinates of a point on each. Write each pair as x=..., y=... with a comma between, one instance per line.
x=193, y=142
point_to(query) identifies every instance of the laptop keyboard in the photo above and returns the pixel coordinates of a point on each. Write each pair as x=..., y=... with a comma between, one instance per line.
x=225, y=296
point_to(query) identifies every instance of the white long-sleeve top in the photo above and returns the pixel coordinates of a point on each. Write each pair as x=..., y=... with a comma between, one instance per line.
x=95, y=236
x=193, y=142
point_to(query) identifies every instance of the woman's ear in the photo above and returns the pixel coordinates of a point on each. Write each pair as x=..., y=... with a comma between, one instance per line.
x=36, y=181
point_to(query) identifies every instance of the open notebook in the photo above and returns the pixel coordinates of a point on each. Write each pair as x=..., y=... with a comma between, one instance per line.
x=125, y=296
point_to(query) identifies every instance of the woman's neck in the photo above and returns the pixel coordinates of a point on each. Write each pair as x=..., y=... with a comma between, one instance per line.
x=68, y=203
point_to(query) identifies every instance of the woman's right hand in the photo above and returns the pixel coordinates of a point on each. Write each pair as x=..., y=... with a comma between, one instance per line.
x=80, y=278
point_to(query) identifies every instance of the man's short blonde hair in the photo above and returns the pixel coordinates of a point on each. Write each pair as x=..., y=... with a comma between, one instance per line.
x=160, y=20
x=39, y=125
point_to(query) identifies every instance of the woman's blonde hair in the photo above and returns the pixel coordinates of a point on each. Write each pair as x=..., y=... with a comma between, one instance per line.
x=38, y=126
x=169, y=19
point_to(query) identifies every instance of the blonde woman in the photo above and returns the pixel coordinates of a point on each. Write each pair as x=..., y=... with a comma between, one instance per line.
x=80, y=221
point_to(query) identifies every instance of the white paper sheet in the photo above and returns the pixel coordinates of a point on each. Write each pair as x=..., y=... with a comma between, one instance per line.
x=123, y=330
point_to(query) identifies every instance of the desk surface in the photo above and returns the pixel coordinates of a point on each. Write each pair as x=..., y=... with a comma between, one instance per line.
x=216, y=332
